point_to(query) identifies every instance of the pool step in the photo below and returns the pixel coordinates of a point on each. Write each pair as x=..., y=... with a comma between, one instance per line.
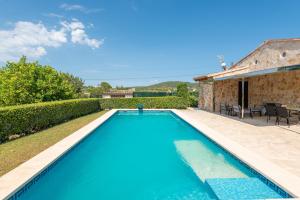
x=240, y=188
x=205, y=163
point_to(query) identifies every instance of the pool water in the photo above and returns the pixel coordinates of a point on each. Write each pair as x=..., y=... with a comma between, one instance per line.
x=138, y=156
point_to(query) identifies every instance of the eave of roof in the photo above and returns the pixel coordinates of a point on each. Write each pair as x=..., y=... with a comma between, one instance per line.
x=260, y=72
x=217, y=74
x=201, y=78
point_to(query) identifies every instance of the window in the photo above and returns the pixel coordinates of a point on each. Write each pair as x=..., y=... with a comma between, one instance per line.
x=283, y=54
x=256, y=62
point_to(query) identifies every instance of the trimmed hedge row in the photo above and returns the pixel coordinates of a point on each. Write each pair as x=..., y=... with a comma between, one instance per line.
x=30, y=118
x=148, y=102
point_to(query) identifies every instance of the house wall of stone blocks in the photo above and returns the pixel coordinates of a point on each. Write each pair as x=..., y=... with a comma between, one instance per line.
x=281, y=88
x=206, y=95
x=225, y=92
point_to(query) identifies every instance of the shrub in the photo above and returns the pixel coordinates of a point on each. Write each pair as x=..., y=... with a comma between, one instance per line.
x=148, y=102
x=30, y=118
x=193, y=101
x=182, y=90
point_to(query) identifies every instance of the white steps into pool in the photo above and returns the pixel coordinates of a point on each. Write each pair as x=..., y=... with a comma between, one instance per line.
x=223, y=179
x=205, y=163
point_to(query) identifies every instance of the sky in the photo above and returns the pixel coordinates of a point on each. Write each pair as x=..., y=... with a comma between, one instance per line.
x=141, y=42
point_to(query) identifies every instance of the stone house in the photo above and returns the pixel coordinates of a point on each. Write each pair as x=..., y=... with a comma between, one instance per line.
x=270, y=73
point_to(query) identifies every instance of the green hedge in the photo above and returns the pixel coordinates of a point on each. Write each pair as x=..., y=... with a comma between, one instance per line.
x=148, y=102
x=193, y=101
x=26, y=119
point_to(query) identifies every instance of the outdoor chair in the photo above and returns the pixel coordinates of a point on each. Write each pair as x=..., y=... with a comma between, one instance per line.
x=237, y=110
x=256, y=109
x=270, y=111
x=294, y=113
x=229, y=110
x=282, y=112
x=223, y=108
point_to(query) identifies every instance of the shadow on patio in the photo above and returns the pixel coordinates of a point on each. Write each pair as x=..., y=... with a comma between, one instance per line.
x=262, y=121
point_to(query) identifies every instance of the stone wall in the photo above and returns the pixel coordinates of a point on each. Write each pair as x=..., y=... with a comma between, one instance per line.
x=225, y=92
x=206, y=95
x=281, y=88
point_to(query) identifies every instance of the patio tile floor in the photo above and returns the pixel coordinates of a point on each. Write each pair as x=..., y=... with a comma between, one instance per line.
x=278, y=144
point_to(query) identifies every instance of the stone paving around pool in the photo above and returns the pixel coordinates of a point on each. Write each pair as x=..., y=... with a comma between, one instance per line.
x=278, y=144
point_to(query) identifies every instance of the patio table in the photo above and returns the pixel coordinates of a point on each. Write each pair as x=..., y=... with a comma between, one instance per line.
x=256, y=110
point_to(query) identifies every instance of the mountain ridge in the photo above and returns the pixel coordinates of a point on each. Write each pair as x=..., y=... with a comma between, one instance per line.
x=166, y=86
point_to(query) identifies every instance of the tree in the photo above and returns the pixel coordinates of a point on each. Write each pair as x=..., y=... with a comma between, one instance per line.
x=75, y=81
x=95, y=92
x=121, y=87
x=182, y=90
x=105, y=86
x=29, y=82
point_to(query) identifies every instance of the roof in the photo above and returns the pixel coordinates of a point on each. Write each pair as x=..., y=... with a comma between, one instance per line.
x=267, y=42
x=236, y=69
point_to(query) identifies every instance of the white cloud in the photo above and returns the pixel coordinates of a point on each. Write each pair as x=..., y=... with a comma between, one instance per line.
x=32, y=39
x=79, y=36
x=77, y=7
x=54, y=15
x=68, y=7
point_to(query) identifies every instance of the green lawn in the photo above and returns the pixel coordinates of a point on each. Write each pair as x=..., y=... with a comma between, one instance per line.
x=15, y=152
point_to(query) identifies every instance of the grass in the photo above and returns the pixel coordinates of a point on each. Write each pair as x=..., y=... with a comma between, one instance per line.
x=17, y=151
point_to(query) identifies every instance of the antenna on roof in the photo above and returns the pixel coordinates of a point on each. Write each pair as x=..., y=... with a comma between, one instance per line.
x=222, y=62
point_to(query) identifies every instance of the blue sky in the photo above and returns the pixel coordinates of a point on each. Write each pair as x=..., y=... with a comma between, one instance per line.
x=141, y=42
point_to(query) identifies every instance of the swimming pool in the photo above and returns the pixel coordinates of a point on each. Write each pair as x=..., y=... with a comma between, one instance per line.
x=147, y=155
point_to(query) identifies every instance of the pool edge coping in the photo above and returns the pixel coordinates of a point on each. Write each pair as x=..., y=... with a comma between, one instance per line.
x=271, y=171
x=17, y=178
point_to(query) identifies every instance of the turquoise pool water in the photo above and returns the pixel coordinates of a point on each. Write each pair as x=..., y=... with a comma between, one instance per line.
x=139, y=156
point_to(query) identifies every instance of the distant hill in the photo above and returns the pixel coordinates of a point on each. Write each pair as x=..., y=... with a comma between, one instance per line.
x=166, y=86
